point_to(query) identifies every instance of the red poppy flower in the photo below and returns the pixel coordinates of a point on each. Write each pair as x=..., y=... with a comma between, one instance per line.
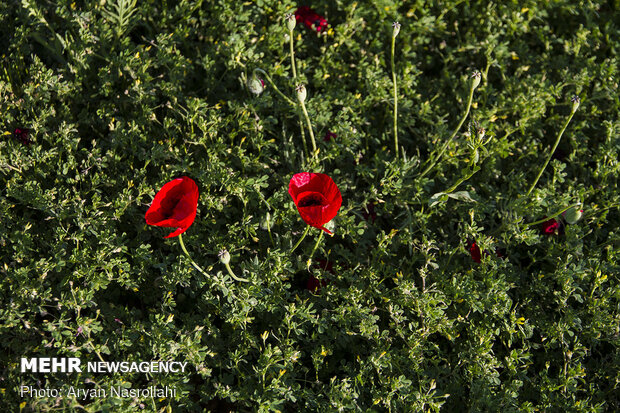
x=474, y=251
x=311, y=19
x=316, y=197
x=329, y=136
x=22, y=135
x=174, y=206
x=550, y=227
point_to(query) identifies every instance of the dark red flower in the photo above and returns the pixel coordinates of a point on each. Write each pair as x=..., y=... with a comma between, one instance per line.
x=174, y=206
x=550, y=227
x=474, y=251
x=314, y=285
x=316, y=197
x=311, y=19
x=22, y=135
x=369, y=213
x=329, y=136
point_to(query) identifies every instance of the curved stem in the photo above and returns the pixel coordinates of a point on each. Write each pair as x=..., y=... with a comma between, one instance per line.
x=557, y=141
x=301, y=239
x=196, y=266
x=445, y=145
x=395, y=99
x=540, y=221
x=303, y=107
x=289, y=101
x=232, y=274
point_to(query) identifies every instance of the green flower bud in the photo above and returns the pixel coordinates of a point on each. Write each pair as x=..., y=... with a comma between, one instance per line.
x=395, y=29
x=475, y=79
x=255, y=84
x=572, y=215
x=576, y=101
x=291, y=21
x=224, y=257
x=301, y=93
x=266, y=222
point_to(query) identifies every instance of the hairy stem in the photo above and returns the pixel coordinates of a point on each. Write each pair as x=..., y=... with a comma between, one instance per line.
x=232, y=274
x=557, y=141
x=395, y=99
x=303, y=107
x=301, y=239
x=445, y=145
x=289, y=101
x=196, y=266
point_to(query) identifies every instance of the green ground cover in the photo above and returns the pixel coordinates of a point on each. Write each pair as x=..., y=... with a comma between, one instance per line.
x=453, y=281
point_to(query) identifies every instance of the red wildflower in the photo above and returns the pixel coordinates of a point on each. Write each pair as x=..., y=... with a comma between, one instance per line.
x=22, y=135
x=316, y=197
x=474, y=251
x=369, y=213
x=550, y=227
x=329, y=136
x=311, y=19
x=174, y=206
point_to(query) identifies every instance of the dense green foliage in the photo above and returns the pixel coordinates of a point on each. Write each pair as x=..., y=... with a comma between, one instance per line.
x=122, y=97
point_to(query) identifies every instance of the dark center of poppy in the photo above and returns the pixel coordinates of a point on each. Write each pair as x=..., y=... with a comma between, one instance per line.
x=311, y=200
x=169, y=204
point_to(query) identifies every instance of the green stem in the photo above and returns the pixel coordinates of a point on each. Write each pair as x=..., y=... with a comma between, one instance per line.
x=540, y=221
x=303, y=135
x=289, y=101
x=301, y=239
x=232, y=274
x=460, y=181
x=269, y=231
x=443, y=149
x=196, y=266
x=303, y=107
x=395, y=99
x=557, y=141
x=292, y=54
x=316, y=245
x=294, y=69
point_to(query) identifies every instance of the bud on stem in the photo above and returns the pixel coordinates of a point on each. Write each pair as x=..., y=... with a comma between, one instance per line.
x=224, y=257
x=291, y=21
x=255, y=84
x=395, y=29
x=301, y=93
x=576, y=101
x=475, y=79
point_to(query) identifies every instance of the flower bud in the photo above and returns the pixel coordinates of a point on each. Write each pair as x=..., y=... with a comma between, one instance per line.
x=224, y=257
x=291, y=21
x=301, y=93
x=475, y=79
x=572, y=215
x=266, y=223
x=576, y=101
x=395, y=29
x=255, y=84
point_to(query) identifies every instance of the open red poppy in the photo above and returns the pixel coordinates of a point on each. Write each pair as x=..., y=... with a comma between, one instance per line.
x=316, y=197
x=174, y=206
x=311, y=19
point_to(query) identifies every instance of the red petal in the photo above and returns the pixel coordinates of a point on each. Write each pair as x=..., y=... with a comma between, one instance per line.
x=174, y=206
